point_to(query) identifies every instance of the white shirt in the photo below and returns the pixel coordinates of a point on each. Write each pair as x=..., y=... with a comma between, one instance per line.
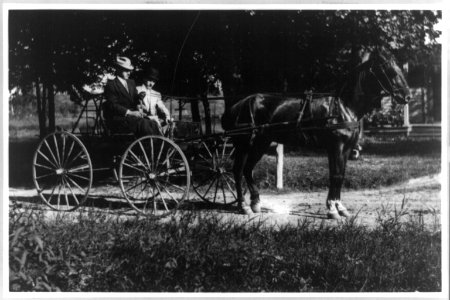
x=152, y=100
x=124, y=82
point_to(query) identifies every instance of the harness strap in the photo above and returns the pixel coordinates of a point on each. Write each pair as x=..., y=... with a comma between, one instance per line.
x=343, y=125
x=302, y=109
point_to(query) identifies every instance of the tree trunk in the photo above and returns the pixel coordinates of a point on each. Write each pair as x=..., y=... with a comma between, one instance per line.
x=229, y=69
x=51, y=107
x=195, y=112
x=41, y=106
x=424, y=113
x=207, y=113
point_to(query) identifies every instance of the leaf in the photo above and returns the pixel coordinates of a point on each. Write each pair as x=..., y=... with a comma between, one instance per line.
x=23, y=260
x=16, y=236
x=39, y=241
x=171, y=264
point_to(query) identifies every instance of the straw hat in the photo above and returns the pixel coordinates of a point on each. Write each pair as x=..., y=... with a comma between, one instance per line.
x=124, y=63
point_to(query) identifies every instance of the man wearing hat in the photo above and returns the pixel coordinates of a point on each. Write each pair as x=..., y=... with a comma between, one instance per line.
x=122, y=100
x=152, y=103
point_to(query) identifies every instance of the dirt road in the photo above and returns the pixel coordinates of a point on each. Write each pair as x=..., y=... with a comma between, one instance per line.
x=418, y=199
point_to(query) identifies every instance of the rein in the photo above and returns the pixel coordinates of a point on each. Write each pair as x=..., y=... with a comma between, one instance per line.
x=390, y=91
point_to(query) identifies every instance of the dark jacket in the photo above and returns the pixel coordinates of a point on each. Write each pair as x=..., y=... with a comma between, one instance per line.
x=118, y=100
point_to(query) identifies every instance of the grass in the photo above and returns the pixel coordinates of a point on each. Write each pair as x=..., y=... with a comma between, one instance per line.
x=25, y=123
x=310, y=173
x=206, y=254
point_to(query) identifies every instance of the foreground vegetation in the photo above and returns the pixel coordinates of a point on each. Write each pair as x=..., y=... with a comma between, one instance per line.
x=206, y=254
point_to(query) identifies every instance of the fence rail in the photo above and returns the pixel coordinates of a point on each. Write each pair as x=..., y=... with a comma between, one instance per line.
x=412, y=131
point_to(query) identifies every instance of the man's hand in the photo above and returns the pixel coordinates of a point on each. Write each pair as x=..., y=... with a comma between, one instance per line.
x=135, y=114
x=154, y=118
x=141, y=95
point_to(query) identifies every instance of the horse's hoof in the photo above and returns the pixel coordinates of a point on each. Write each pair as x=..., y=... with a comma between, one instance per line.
x=256, y=207
x=344, y=213
x=333, y=215
x=342, y=210
x=354, y=155
x=245, y=210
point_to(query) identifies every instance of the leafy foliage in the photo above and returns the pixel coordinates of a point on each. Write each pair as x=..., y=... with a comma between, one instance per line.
x=306, y=48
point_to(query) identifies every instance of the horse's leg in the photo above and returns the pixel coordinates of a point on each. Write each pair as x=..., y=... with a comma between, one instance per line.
x=256, y=152
x=240, y=159
x=337, y=158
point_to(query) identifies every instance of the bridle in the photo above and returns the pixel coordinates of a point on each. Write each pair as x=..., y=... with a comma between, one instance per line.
x=390, y=90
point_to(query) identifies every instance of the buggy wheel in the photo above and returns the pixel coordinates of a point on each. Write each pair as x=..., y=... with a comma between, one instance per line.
x=154, y=176
x=62, y=171
x=211, y=164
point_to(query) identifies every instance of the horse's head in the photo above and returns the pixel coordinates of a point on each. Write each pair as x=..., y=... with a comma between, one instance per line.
x=386, y=77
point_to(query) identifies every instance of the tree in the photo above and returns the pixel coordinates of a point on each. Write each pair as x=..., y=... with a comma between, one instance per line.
x=249, y=51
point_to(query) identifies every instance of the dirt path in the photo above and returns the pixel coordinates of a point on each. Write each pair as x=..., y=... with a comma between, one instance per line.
x=420, y=199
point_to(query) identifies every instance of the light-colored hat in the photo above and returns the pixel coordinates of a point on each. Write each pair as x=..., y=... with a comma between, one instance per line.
x=124, y=63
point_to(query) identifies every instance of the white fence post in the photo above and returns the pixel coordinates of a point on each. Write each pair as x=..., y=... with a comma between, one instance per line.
x=406, y=115
x=280, y=160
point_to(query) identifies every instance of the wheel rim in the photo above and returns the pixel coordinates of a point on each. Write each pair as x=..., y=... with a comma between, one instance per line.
x=154, y=176
x=211, y=166
x=62, y=171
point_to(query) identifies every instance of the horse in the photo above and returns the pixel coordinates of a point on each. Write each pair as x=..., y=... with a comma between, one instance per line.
x=330, y=122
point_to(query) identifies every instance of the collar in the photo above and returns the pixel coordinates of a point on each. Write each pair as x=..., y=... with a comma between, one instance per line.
x=123, y=81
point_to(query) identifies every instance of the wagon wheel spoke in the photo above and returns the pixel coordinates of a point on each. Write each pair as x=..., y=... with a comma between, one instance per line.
x=52, y=193
x=209, y=187
x=180, y=188
x=204, y=181
x=133, y=167
x=152, y=149
x=47, y=159
x=59, y=193
x=51, y=153
x=137, y=158
x=71, y=191
x=74, y=159
x=65, y=191
x=162, y=197
x=154, y=201
x=207, y=149
x=63, y=153
x=159, y=153
x=230, y=188
x=56, y=150
x=78, y=176
x=79, y=169
x=62, y=171
x=210, y=169
x=170, y=195
x=45, y=175
x=215, y=190
x=223, y=191
x=75, y=184
x=69, y=153
x=44, y=167
x=159, y=189
x=134, y=186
